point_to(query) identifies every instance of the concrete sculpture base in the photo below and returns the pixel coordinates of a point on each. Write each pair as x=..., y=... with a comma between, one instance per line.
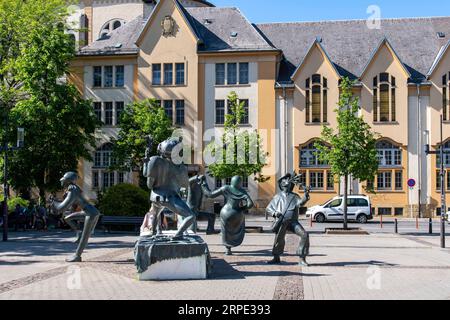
x=161, y=258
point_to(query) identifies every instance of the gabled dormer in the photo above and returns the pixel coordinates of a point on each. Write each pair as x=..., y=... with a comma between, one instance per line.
x=316, y=79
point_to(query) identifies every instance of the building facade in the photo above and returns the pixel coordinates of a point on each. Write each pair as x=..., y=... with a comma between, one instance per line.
x=190, y=55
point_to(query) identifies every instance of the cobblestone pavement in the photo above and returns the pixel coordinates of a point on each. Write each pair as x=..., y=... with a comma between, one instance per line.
x=378, y=266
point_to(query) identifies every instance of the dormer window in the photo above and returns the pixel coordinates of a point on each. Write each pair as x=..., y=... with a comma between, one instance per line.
x=110, y=26
x=316, y=99
x=384, y=98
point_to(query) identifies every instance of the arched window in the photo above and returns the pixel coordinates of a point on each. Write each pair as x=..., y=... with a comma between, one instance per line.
x=445, y=99
x=316, y=99
x=315, y=173
x=384, y=98
x=102, y=176
x=309, y=158
x=110, y=26
x=388, y=154
x=390, y=175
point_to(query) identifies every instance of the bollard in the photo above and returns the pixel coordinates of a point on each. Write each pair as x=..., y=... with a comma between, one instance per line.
x=417, y=223
x=311, y=221
x=396, y=226
x=381, y=221
x=430, y=226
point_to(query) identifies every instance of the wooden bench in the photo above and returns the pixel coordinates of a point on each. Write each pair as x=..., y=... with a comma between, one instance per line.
x=108, y=221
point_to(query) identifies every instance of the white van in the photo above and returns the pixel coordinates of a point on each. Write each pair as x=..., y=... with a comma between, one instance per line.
x=359, y=210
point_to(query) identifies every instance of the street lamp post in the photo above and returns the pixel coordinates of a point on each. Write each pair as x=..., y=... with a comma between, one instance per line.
x=6, y=148
x=441, y=154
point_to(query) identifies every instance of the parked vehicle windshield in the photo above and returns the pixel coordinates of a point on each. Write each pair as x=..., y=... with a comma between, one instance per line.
x=334, y=204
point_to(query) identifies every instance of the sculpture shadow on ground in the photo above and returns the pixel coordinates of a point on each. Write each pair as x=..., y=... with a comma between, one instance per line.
x=222, y=270
x=50, y=248
x=436, y=234
x=353, y=264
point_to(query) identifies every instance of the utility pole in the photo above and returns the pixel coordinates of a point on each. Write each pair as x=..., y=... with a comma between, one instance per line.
x=442, y=177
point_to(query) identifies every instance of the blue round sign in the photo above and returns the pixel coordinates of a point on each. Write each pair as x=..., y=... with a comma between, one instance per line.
x=411, y=183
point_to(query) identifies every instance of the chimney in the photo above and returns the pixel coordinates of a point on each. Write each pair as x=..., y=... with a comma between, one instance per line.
x=149, y=5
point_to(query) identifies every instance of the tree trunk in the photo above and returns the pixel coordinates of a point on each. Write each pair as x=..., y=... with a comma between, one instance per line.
x=345, y=202
x=42, y=198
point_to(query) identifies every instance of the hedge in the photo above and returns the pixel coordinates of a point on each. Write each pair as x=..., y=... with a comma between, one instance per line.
x=124, y=200
x=12, y=202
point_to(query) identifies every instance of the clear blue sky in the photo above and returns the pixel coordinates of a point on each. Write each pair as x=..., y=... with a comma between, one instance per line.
x=258, y=11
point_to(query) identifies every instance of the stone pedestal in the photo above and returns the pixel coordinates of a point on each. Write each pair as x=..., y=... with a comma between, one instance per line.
x=161, y=258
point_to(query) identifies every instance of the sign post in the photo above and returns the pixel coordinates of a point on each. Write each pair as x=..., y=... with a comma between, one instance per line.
x=411, y=185
x=441, y=154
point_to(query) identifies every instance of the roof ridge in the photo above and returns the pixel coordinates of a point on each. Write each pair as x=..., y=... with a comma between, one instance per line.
x=211, y=8
x=256, y=31
x=353, y=20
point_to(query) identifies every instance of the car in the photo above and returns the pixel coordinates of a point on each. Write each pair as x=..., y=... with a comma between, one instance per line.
x=359, y=210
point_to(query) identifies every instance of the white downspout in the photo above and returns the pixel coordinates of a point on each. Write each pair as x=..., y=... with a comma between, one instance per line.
x=286, y=123
x=419, y=149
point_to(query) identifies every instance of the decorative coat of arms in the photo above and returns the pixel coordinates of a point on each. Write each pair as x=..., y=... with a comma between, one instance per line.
x=168, y=26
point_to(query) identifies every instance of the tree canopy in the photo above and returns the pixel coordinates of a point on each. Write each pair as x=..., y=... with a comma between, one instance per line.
x=35, y=56
x=238, y=151
x=351, y=149
x=138, y=121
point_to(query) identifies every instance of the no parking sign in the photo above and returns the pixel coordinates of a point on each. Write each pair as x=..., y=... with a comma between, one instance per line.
x=411, y=183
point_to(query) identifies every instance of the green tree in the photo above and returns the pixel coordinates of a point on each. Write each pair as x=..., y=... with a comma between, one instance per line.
x=239, y=151
x=351, y=150
x=138, y=121
x=35, y=95
x=124, y=200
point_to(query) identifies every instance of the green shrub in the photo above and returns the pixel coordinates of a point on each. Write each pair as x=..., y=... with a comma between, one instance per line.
x=12, y=202
x=124, y=200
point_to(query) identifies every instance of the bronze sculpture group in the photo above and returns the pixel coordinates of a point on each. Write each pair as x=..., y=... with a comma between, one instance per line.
x=285, y=207
x=165, y=179
x=74, y=196
x=232, y=218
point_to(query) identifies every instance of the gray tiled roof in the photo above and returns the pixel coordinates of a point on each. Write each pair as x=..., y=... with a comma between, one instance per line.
x=215, y=36
x=350, y=44
x=217, y=33
x=125, y=37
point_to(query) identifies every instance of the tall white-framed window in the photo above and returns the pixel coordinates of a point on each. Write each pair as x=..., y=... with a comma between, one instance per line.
x=389, y=155
x=179, y=73
x=384, y=98
x=316, y=99
x=314, y=172
x=390, y=175
x=108, y=76
x=109, y=112
x=179, y=112
x=169, y=74
x=102, y=176
x=232, y=73
x=222, y=108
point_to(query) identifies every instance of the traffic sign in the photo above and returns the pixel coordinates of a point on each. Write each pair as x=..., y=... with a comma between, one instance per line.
x=411, y=183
